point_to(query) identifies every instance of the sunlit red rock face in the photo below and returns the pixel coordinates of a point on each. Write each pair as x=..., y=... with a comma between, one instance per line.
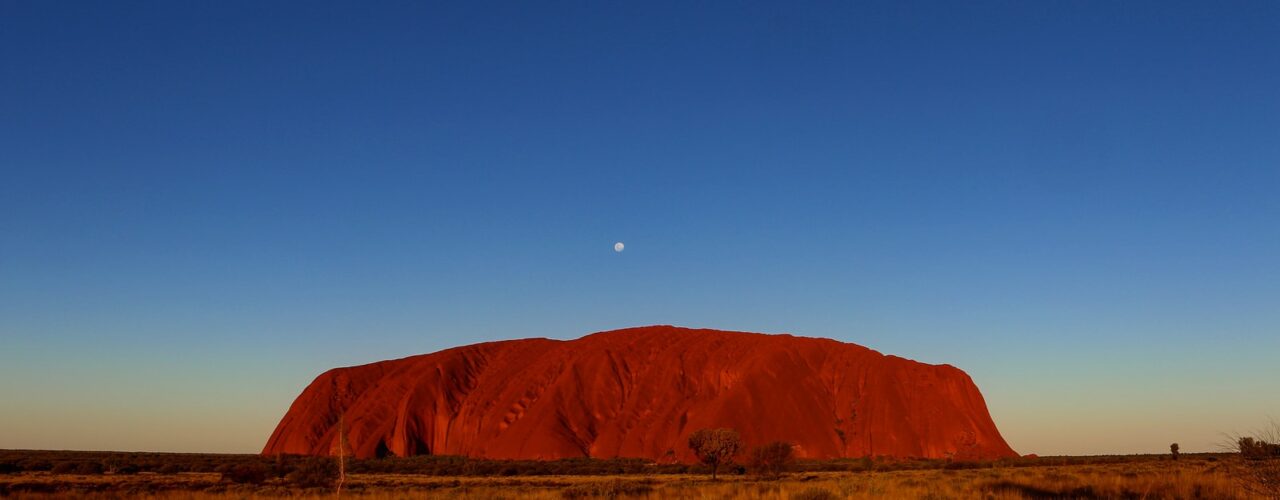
x=639, y=392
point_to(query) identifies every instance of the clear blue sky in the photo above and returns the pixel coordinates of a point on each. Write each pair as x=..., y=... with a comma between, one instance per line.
x=205, y=204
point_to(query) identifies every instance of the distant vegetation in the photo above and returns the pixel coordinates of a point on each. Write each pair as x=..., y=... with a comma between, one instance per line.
x=92, y=463
x=249, y=476
x=772, y=472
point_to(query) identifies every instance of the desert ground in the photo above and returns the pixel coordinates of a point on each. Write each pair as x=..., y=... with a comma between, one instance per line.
x=33, y=474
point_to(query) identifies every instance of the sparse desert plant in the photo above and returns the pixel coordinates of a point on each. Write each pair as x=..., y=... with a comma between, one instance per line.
x=773, y=459
x=1261, y=454
x=1256, y=448
x=715, y=447
x=1260, y=444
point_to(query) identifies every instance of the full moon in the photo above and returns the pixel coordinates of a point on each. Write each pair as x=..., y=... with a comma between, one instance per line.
x=617, y=247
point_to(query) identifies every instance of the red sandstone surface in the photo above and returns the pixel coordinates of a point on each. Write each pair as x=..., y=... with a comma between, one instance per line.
x=640, y=392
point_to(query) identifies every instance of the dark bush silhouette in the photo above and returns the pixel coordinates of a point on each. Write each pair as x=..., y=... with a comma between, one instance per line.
x=962, y=465
x=170, y=469
x=35, y=464
x=1257, y=449
x=715, y=446
x=77, y=467
x=314, y=473
x=1173, y=450
x=773, y=459
x=245, y=473
x=126, y=469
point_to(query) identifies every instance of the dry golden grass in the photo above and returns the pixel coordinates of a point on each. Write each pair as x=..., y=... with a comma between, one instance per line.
x=1139, y=480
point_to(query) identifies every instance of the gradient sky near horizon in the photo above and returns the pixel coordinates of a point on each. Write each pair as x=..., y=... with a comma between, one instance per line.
x=203, y=205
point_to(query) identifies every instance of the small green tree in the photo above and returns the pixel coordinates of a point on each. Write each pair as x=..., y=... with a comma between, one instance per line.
x=715, y=446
